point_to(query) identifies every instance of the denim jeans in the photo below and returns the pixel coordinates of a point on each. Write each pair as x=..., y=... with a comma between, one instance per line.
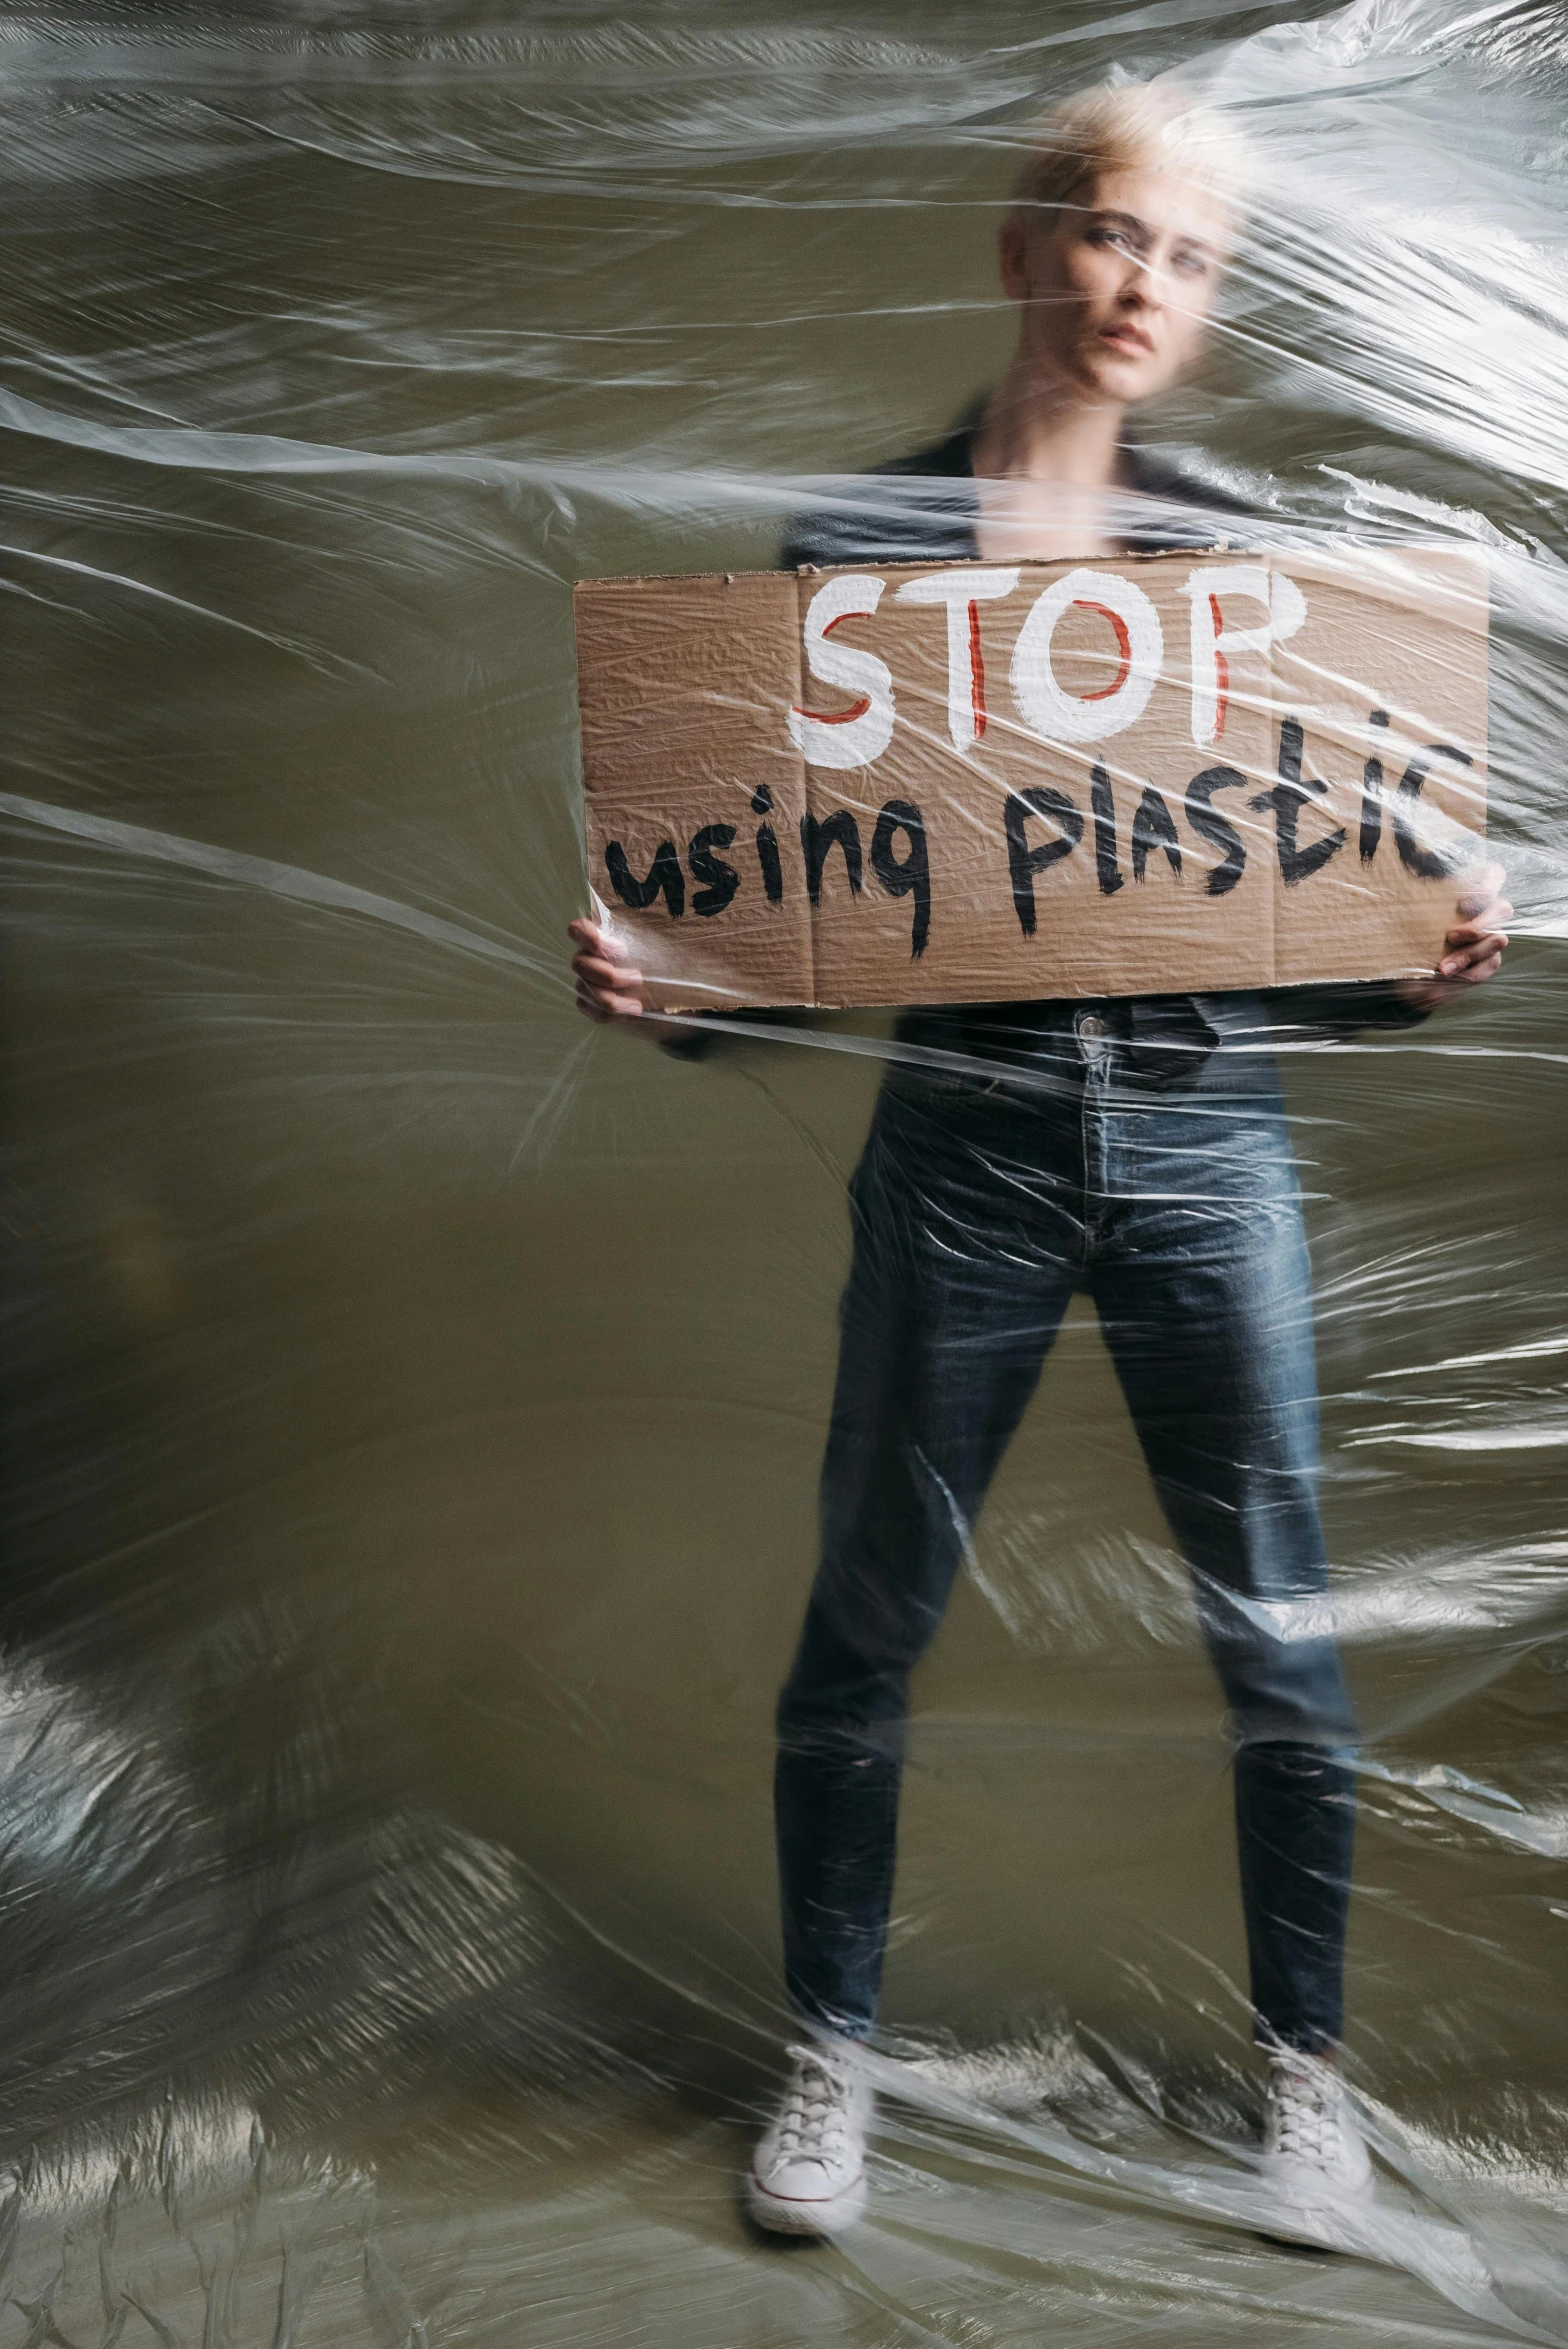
x=980, y=1205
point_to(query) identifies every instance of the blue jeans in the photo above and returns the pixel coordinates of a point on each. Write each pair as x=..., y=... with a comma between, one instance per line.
x=980, y=1205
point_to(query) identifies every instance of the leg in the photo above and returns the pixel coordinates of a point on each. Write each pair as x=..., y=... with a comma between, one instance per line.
x=958, y=1285
x=1207, y=1307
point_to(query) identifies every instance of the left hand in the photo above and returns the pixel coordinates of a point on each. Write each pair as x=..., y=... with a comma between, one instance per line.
x=1473, y=948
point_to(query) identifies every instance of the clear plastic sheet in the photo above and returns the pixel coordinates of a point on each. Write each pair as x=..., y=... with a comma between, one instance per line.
x=415, y=1397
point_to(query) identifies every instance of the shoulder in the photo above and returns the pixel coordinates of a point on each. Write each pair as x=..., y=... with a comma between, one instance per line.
x=916, y=508
x=1185, y=501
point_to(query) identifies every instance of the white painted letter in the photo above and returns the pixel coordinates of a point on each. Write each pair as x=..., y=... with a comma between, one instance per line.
x=1213, y=642
x=963, y=593
x=1090, y=717
x=856, y=736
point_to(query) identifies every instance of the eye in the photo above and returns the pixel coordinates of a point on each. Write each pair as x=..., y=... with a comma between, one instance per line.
x=1189, y=264
x=1111, y=236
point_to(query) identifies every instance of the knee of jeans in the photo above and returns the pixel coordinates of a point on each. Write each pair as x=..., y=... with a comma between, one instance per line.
x=1281, y=1693
x=833, y=1687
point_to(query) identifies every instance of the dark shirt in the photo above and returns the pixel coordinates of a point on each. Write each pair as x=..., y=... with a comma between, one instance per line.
x=925, y=508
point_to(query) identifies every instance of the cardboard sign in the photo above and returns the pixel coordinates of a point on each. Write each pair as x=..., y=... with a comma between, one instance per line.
x=967, y=782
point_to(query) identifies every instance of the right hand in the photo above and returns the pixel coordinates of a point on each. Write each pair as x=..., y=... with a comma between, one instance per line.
x=608, y=988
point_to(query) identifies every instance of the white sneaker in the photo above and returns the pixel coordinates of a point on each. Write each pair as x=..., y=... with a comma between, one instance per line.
x=1314, y=2157
x=808, y=2174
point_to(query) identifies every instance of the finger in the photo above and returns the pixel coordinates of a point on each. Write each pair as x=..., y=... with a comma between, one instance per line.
x=593, y=972
x=1456, y=966
x=616, y=965
x=1486, y=884
x=597, y=941
x=598, y=1003
x=1471, y=933
x=604, y=990
x=613, y=1005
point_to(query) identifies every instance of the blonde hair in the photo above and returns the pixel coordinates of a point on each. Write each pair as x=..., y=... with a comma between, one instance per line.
x=1131, y=126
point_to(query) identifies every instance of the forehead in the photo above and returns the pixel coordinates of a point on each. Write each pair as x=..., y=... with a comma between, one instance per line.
x=1171, y=204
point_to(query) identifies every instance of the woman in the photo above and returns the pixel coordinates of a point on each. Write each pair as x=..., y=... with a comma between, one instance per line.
x=1133, y=1148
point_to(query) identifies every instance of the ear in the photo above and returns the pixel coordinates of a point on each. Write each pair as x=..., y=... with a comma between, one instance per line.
x=1013, y=256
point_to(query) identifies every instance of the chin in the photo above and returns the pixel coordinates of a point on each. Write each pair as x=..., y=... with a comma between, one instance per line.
x=1118, y=376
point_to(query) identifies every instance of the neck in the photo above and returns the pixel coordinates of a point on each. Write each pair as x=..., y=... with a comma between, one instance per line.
x=1040, y=427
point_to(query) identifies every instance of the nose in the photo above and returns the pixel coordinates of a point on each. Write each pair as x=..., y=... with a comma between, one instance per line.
x=1143, y=288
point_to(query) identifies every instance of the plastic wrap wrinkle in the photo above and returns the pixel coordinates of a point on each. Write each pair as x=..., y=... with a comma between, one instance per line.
x=416, y=1398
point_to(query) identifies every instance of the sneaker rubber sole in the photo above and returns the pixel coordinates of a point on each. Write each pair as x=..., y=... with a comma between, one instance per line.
x=780, y=2214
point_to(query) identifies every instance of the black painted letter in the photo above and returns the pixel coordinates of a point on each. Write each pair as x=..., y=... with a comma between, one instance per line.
x=1288, y=797
x=1106, y=870
x=817, y=838
x=1023, y=862
x=722, y=879
x=1211, y=826
x=664, y=873
x=1425, y=863
x=900, y=877
x=1372, y=797
x=768, y=846
x=1154, y=827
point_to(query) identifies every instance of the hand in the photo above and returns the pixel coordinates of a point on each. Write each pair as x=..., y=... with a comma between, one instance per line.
x=1473, y=948
x=608, y=988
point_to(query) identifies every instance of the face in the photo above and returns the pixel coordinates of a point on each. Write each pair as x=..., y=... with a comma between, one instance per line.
x=1118, y=286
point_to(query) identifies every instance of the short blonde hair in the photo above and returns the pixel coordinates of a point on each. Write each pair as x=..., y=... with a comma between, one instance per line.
x=1131, y=126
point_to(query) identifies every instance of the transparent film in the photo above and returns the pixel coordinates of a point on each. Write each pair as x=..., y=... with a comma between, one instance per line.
x=873, y=1647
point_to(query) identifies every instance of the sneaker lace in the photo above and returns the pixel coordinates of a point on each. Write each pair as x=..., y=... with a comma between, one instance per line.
x=816, y=2104
x=1308, y=2121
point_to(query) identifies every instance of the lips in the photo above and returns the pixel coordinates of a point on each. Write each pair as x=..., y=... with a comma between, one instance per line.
x=1126, y=338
